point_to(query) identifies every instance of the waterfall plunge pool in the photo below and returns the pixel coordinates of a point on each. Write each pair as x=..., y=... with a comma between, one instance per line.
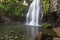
x=17, y=32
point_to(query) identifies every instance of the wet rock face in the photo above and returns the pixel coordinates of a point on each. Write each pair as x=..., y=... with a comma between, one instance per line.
x=59, y=11
x=42, y=36
x=47, y=37
x=38, y=36
x=56, y=38
x=53, y=5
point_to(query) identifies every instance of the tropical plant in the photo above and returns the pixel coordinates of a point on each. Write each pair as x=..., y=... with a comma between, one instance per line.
x=46, y=4
x=12, y=9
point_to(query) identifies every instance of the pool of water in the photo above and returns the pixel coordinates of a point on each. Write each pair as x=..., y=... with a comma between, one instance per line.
x=13, y=32
x=18, y=32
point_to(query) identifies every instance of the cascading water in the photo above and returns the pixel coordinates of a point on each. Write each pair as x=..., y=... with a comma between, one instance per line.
x=35, y=13
x=34, y=18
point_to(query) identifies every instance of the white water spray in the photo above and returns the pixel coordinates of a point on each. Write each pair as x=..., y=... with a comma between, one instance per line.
x=34, y=18
x=35, y=13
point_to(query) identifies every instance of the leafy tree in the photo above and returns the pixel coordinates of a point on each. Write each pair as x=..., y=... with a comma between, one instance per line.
x=12, y=9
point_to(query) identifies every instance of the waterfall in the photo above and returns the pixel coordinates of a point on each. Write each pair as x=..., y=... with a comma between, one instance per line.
x=34, y=18
x=35, y=13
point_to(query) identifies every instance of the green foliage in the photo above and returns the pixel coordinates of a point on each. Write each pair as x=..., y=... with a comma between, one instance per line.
x=46, y=4
x=47, y=25
x=5, y=5
x=13, y=9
